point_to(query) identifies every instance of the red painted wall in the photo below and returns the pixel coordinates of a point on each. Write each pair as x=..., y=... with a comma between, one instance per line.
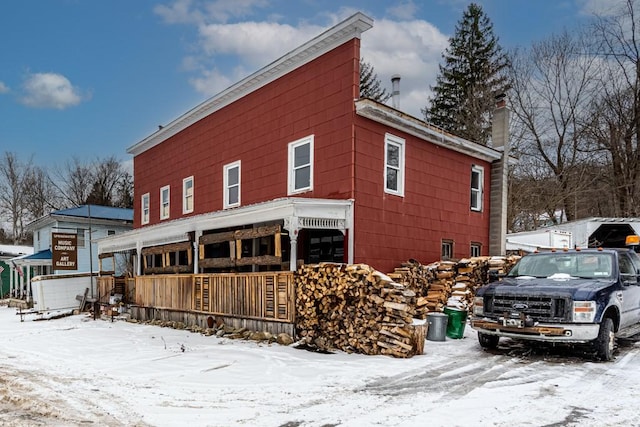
x=318, y=99
x=314, y=99
x=390, y=229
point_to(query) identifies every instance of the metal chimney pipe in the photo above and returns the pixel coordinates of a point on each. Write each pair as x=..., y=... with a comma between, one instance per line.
x=395, y=94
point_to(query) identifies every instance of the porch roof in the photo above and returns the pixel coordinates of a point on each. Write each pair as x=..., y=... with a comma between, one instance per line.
x=297, y=213
x=39, y=258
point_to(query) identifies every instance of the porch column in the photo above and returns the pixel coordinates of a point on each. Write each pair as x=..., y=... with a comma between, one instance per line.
x=196, y=252
x=12, y=292
x=28, y=283
x=291, y=225
x=138, y=258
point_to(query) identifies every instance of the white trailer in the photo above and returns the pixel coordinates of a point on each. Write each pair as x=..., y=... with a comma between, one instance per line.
x=584, y=233
x=530, y=241
x=59, y=291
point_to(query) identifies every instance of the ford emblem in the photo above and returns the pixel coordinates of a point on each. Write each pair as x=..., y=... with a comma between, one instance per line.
x=519, y=306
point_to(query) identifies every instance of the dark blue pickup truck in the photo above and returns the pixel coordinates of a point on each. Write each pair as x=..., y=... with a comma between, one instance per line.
x=572, y=296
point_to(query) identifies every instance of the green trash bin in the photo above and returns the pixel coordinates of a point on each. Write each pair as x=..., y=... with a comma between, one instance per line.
x=457, y=320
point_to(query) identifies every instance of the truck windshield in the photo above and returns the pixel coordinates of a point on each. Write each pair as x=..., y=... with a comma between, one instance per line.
x=589, y=265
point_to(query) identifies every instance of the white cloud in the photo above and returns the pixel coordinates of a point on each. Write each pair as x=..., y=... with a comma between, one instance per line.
x=200, y=12
x=255, y=44
x=211, y=82
x=3, y=88
x=50, y=90
x=404, y=11
x=179, y=12
x=412, y=49
x=400, y=45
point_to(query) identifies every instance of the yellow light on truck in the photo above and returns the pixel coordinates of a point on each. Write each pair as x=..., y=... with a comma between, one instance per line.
x=633, y=240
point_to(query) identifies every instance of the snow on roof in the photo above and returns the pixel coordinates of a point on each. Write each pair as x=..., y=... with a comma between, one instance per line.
x=96, y=211
x=15, y=250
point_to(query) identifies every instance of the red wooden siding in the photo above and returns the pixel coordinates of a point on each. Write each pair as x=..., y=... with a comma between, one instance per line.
x=315, y=99
x=436, y=205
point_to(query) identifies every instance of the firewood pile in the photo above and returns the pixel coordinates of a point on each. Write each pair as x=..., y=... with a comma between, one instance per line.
x=355, y=308
x=471, y=273
x=415, y=277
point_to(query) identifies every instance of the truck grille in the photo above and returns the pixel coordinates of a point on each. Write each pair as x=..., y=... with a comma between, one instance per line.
x=541, y=308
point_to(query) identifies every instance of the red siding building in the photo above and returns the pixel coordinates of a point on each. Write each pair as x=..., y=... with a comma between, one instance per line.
x=290, y=166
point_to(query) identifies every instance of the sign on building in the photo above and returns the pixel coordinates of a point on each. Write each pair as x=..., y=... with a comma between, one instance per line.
x=64, y=253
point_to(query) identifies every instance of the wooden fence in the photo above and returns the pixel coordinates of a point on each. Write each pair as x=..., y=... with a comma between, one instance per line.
x=260, y=296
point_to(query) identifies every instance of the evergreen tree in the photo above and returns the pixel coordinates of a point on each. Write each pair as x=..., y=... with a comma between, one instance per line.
x=473, y=73
x=370, y=85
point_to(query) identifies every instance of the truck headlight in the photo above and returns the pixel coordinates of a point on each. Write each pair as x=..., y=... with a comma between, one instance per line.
x=584, y=311
x=478, y=306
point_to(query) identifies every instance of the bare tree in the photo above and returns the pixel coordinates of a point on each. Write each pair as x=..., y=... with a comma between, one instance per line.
x=75, y=181
x=42, y=195
x=107, y=174
x=615, y=115
x=14, y=180
x=552, y=86
x=100, y=182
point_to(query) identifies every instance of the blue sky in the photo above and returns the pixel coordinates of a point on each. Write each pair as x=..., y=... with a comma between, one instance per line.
x=89, y=78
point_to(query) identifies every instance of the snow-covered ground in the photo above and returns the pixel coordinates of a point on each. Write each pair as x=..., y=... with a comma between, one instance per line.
x=76, y=371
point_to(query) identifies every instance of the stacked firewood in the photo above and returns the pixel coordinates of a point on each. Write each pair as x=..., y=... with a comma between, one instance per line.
x=417, y=278
x=471, y=273
x=442, y=282
x=500, y=265
x=355, y=308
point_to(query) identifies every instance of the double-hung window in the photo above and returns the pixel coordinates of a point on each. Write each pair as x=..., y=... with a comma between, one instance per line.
x=301, y=165
x=394, y=165
x=476, y=249
x=144, y=209
x=187, y=195
x=446, y=249
x=164, y=202
x=231, y=181
x=477, y=178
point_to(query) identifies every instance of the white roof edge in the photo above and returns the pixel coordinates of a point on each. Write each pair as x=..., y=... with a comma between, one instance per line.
x=350, y=28
x=177, y=230
x=398, y=120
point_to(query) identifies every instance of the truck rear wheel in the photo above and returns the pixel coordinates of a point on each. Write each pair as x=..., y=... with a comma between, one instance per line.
x=488, y=341
x=605, y=343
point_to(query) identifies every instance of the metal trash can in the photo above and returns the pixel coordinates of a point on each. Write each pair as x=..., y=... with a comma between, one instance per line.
x=437, y=329
x=457, y=320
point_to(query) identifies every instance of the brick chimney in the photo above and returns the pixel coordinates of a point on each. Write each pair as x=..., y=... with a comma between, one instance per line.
x=499, y=178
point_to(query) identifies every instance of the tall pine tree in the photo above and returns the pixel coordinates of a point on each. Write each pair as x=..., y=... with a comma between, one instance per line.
x=370, y=85
x=473, y=73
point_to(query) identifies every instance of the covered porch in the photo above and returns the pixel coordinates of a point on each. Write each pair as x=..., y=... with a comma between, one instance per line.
x=276, y=236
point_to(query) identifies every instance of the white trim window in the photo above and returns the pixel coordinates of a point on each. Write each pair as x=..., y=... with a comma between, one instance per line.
x=187, y=195
x=394, y=165
x=477, y=180
x=446, y=252
x=144, y=209
x=165, y=202
x=476, y=249
x=231, y=184
x=300, y=168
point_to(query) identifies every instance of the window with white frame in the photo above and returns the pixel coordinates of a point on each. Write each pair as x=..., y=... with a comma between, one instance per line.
x=447, y=250
x=477, y=179
x=476, y=249
x=144, y=209
x=394, y=165
x=301, y=165
x=164, y=202
x=231, y=184
x=187, y=195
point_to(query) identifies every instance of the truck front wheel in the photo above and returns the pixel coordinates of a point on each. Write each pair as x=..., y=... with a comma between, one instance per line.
x=488, y=341
x=605, y=343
